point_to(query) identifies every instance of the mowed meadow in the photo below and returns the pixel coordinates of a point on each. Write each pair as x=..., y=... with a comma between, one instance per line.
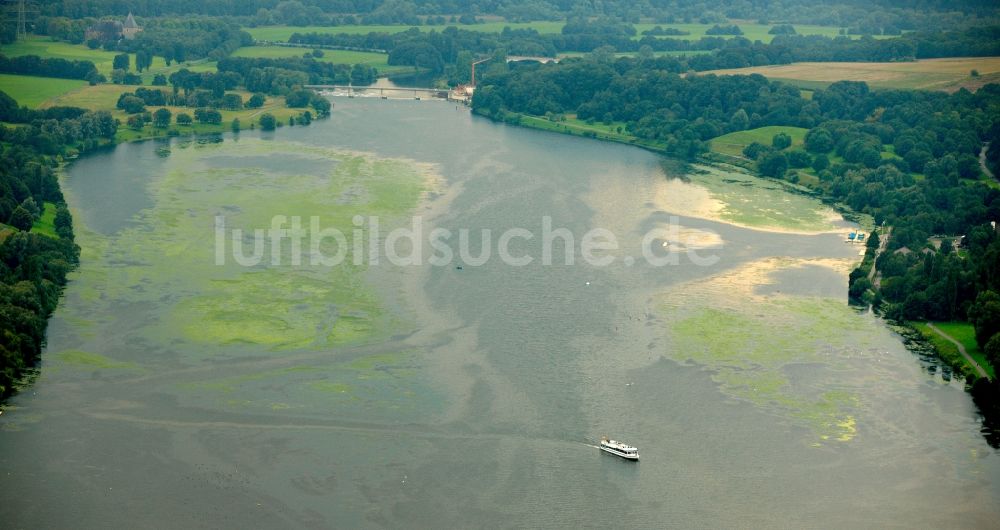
x=32, y=91
x=948, y=74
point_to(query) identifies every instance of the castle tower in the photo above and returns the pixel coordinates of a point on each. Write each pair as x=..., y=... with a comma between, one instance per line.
x=130, y=28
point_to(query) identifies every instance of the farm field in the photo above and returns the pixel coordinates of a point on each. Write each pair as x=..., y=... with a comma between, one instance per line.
x=31, y=91
x=282, y=33
x=732, y=144
x=929, y=74
x=697, y=31
x=97, y=97
x=377, y=60
x=47, y=48
x=103, y=60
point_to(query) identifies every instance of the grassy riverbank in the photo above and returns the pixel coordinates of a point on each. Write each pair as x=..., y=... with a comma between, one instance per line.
x=964, y=333
x=609, y=132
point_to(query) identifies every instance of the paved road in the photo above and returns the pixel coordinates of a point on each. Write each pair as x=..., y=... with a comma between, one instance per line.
x=961, y=349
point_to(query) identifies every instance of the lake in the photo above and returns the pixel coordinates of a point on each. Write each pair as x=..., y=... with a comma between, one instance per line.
x=192, y=381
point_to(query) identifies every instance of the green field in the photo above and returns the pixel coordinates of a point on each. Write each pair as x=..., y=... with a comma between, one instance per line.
x=282, y=33
x=732, y=144
x=47, y=48
x=948, y=74
x=32, y=91
x=377, y=60
x=45, y=225
x=697, y=31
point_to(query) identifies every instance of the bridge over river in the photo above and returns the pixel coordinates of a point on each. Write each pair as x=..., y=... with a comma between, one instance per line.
x=537, y=59
x=383, y=92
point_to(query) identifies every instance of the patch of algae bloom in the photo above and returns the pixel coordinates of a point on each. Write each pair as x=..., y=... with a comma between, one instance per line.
x=169, y=258
x=381, y=380
x=750, y=341
x=156, y=283
x=93, y=360
x=744, y=200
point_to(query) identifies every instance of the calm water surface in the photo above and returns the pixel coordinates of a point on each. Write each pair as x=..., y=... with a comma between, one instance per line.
x=756, y=397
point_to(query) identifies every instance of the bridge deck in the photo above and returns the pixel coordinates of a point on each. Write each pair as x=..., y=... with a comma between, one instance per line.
x=366, y=88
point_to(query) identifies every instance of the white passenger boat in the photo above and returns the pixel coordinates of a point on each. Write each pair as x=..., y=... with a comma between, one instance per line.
x=621, y=449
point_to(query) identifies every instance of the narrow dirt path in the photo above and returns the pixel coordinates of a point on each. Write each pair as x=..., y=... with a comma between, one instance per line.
x=982, y=161
x=883, y=241
x=961, y=349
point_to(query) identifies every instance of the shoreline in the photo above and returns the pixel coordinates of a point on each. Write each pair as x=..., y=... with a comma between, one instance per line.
x=706, y=159
x=714, y=160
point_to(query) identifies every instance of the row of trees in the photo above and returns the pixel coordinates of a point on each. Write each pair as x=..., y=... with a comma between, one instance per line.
x=137, y=101
x=278, y=76
x=49, y=67
x=206, y=106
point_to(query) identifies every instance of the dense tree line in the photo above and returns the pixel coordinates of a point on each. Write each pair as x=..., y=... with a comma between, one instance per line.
x=33, y=267
x=174, y=39
x=648, y=95
x=846, y=13
x=277, y=76
x=49, y=67
x=440, y=51
x=184, y=40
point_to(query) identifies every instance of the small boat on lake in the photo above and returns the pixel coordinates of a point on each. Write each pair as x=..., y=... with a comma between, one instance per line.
x=621, y=449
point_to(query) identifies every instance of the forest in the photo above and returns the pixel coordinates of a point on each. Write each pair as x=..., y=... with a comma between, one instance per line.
x=857, y=13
